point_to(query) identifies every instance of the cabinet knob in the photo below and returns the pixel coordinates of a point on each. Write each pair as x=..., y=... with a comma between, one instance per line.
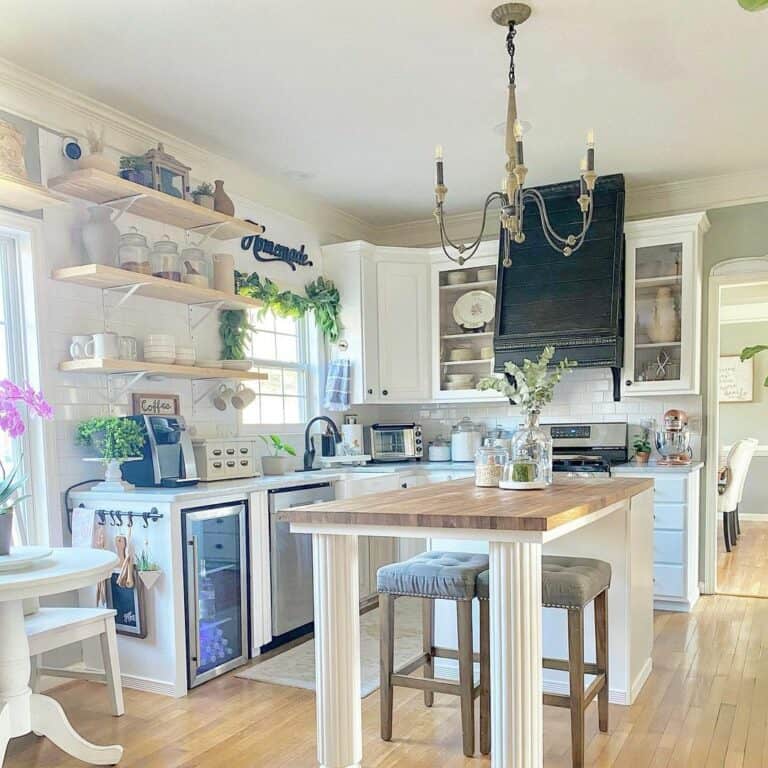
x=385, y=392
x=628, y=382
x=403, y=485
x=370, y=391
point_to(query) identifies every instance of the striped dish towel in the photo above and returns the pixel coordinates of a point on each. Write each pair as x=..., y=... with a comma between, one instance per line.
x=337, y=386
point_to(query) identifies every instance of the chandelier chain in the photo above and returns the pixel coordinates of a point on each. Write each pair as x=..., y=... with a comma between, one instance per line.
x=511, y=50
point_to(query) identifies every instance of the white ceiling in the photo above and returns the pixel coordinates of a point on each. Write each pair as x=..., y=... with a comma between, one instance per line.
x=358, y=93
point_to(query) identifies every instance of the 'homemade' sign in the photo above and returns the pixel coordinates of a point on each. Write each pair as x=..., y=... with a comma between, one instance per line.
x=267, y=250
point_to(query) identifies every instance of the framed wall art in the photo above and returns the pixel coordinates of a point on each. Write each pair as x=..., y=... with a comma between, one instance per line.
x=129, y=604
x=736, y=380
x=155, y=405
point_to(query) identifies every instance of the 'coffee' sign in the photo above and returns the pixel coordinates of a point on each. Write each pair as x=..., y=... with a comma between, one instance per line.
x=266, y=250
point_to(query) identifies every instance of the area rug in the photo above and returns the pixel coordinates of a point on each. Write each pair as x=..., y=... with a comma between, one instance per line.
x=296, y=667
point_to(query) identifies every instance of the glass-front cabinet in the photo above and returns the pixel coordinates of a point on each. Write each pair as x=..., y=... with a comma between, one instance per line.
x=663, y=305
x=463, y=313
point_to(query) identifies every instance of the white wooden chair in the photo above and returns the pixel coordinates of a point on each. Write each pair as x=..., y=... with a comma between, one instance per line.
x=52, y=628
x=738, y=462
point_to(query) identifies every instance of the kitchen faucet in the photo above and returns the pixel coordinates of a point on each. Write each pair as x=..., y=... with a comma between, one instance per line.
x=309, y=451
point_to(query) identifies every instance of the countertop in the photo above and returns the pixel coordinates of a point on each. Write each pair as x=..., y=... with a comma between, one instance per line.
x=462, y=505
x=654, y=468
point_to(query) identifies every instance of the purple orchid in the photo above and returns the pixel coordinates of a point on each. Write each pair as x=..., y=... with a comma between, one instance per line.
x=11, y=394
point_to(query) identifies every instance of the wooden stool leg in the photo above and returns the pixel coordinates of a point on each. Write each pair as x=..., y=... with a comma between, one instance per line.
x=485, y=677
x=428, y=643
x=387, y=660
x=732, y=523
x=576, y=675
x=466, y=676
x=601, y=655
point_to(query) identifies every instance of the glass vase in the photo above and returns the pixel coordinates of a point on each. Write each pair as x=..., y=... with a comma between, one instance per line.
x=530, y=460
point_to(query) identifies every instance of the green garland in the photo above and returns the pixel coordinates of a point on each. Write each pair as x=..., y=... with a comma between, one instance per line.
x=322, y=298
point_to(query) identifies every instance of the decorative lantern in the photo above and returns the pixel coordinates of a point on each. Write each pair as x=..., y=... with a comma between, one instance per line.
x=167, y=173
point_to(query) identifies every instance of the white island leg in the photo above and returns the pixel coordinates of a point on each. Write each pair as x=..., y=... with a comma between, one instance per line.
x=517, y=713
x=337, y=651
x=21, y=711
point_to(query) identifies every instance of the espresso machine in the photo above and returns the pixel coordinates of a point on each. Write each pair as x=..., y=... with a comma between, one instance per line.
x=168, y=458
x=673, y=441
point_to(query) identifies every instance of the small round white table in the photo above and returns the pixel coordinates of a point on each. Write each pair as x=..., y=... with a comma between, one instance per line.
x=22, y=711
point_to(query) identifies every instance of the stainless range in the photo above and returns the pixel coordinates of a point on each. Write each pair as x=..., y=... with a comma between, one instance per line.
x=588, y=450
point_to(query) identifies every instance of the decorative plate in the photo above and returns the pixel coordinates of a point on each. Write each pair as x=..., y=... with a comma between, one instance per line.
x=474, y=309
x=21, y=557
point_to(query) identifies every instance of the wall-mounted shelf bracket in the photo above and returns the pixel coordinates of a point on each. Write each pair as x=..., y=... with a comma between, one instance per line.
x=116, y=392
x=127, y=290
x=210, y=307
x=207, y=230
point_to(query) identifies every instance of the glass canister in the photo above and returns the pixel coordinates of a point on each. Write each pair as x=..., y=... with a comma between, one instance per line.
x=133, y=252
x=195, y=267
x=530, y=461
x=165, y=259
x=490, y=461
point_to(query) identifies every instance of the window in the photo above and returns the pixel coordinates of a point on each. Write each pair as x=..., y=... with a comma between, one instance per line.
x=278, y=347
x=13, y=366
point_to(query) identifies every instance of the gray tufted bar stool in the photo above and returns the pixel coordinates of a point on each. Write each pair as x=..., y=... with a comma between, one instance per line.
x=431, y=576
x=570, y=583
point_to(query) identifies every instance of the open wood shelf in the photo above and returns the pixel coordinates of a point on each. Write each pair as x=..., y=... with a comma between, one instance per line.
x=658, y=344
x=106, y=365
x=106, y=189
x=487, y=361
x=24, y=195
x=651, y=282
x=105, y=278
x=473, y=286
x=465, y=336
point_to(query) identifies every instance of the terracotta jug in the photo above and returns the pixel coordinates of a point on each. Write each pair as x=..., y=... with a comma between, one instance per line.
x=664, y=325
x=222, y=202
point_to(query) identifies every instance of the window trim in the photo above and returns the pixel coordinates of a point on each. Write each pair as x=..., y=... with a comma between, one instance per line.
x=46, y=522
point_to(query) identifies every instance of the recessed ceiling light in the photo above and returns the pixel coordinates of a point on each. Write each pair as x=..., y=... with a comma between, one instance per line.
x=298, y=175
x=501, y=128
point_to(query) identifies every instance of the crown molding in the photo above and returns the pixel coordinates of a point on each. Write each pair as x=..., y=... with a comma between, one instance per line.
x=62, y=110
x=670, y=199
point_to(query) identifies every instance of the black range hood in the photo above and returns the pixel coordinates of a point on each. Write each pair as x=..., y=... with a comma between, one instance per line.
x=575, y=303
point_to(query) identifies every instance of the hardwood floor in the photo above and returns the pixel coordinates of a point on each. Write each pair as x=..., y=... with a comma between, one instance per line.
x=744, y=570
x=705, y=706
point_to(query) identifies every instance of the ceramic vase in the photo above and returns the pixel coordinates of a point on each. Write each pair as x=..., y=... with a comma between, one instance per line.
x=664, y=325
x=6, y=531
x=530, y=459
x=222, y=202
x=224, y=272
x=101, y=237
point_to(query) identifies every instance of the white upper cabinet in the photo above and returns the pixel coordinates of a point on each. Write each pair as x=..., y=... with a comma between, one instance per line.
x=385, y=317
x=662, y=344
x=462, y=346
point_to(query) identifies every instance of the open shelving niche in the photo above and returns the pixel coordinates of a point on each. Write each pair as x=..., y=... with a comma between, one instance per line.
x=106, y=189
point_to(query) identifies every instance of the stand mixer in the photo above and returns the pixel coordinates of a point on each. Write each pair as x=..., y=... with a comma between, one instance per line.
x=673, y=442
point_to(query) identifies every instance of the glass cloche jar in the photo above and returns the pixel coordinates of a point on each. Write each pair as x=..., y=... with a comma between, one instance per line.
x=133, y=252
x=165, y=259
x=530, y=461
x=490, y=461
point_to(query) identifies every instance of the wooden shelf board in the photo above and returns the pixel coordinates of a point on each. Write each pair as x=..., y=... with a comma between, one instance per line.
x=24, y=195
x=649, y=282
x=106, y=365
x=450, y=336
x=466, y=362
x=106, y=189
x=658, y=344
x=103, y=277
x=469, y=286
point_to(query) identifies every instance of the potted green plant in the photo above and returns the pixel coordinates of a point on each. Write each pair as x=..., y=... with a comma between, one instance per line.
x=233, y=332
x=642, y=446
x=12, y=423
x=203, y=195
x=149, y=571
x=277, y=464
x=131, y=169
x=115, y=440
x=531, y=386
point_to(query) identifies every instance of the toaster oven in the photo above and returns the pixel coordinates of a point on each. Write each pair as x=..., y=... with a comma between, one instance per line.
x=394, y=442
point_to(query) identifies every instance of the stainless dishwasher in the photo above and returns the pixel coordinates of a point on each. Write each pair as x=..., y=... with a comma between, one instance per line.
x=291, y=561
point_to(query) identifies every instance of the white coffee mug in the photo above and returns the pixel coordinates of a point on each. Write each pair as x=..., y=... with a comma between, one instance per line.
x=242, y=397
x=77, y=347
x=103, y=345
x=222, y=397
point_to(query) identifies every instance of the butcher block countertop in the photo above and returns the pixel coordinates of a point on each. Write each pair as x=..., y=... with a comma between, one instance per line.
x=460, y=504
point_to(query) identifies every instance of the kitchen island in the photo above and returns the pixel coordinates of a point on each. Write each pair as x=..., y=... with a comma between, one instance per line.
x=611, y=519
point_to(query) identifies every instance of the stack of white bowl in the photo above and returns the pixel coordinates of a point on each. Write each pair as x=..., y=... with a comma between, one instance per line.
x=159, y=348
x=185, y=354
x=459, y=381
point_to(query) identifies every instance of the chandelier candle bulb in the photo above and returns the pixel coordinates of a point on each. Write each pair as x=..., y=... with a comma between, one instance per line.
x=591, y=151
x=439, y=164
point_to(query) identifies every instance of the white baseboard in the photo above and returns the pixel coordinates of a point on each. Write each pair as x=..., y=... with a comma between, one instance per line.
x=449, y=669
x=48, y=682
x=753, y=517
x=678, y=606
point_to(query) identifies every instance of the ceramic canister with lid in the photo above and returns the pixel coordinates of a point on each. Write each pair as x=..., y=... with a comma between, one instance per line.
x=490, y=461
x=195, y=267
x=466, y=438
x=439, y=449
